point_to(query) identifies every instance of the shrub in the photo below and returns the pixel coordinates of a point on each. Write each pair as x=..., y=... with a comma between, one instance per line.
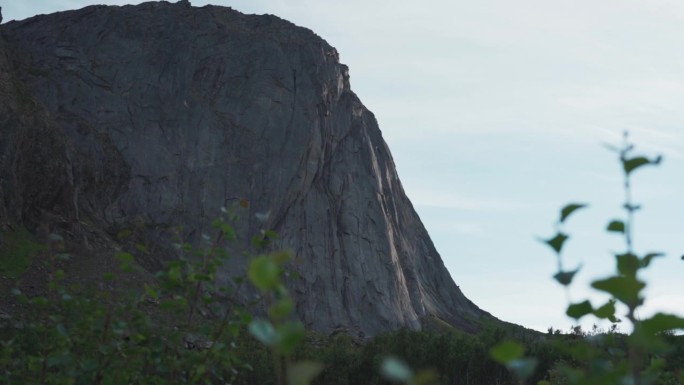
x=611, y=358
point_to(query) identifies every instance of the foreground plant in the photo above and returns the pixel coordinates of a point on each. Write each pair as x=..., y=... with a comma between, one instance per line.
x=280, y=331
x=634, y=359
x=185, y=328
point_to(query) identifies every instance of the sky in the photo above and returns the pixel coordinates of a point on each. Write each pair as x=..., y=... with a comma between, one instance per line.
x=497, y=114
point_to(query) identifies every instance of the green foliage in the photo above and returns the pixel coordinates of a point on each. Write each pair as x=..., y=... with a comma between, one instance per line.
x=17, y=249
x=506, y=352
x=303, y=372
x=616, y=226
x=394, y=369
x=264, y=273
x=557, y=242
x=510, y=354
x=569, y=209
x=169, y=332
x=579, y=310
x=611, y=359
x=565, y=277
x=281, y=333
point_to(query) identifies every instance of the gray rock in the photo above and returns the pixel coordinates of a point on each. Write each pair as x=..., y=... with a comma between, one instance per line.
x=150, y=116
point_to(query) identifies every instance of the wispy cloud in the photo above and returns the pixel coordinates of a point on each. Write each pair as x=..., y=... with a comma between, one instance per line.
x=458, y=227
x=448, y=200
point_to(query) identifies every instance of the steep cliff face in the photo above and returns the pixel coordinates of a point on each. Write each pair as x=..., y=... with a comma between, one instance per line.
x=157, y=115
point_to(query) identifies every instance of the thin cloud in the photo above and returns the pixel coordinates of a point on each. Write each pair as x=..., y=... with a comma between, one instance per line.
x=458, y=228
x=447, y=200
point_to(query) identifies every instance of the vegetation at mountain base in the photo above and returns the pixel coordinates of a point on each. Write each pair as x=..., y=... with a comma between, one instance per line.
x=185, y=327
x=18, y=249
x=173, y=331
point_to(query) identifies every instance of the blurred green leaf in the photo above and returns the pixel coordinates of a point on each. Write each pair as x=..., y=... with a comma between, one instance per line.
x=556, y=243
x=263, y=217
x=569, y=209
x=656, y=365
x=174, y=274
x=625, y=289
x=225, y=228
x=263, y=272
x=259, y=241
x=606, y=311
x=123, y=234
x=281, y=257
x=303, y=372
x=616, y=226
x=125, y=257
x=289, y=336
x=151, y=291
x=661, y=322
x=649, y=257
x=263, y=331
x=522, y=367
x=565, y=277
x=425, y=377
x=579, y=310
x=632, y=164
x=628, y=264
x=506, y=352
x=281, y=308
x=395, y=369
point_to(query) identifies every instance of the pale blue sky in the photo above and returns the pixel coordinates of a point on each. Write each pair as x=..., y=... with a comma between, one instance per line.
x=495, y=112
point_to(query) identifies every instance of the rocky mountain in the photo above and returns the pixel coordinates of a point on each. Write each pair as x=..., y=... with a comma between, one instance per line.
x=152, y=116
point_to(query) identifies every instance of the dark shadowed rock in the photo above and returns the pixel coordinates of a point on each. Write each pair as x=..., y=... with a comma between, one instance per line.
x=151, y=116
